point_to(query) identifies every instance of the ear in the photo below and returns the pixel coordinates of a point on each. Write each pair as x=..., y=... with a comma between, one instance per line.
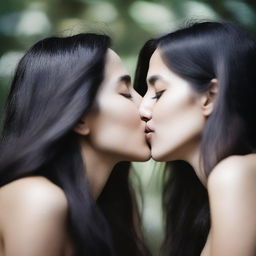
x=82, y=127
x=208, y=98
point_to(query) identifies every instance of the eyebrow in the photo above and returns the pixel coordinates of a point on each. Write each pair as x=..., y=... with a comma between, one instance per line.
x=126, y=78
x=152, y=79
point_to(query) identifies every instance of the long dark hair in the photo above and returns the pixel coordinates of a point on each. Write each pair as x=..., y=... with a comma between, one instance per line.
x=55, y=84
x=199, y=53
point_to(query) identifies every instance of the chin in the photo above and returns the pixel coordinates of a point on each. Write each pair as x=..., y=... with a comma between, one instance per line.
x=166, y=156
x=158, y=156
x=144, y=158
x=141, y=156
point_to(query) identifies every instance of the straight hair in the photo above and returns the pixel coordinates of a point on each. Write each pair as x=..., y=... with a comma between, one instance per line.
x=199, y=53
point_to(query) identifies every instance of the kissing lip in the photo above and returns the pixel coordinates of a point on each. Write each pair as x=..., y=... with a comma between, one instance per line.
x=148, y=129
x=148, y=134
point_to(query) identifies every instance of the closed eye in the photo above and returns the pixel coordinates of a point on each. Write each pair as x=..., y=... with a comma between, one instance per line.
x=158, y=95
x=126, y=95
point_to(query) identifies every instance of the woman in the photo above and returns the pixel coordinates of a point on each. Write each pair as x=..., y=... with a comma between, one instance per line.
x=199, y=105
x=69, y=113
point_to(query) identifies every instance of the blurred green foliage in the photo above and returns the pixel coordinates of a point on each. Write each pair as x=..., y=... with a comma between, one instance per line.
x=130, y=23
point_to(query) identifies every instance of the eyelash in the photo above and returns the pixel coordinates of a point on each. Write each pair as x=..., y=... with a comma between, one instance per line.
x=126, y=95
x=158, y=95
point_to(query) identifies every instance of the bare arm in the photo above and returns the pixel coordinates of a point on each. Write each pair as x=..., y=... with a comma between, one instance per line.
x=232, y=194
x=34, y=218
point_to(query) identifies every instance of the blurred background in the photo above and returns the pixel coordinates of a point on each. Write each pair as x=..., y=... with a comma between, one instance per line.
x=130, y=23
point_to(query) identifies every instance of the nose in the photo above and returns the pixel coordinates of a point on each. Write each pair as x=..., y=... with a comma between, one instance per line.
x=137, y=98
x=145, y=110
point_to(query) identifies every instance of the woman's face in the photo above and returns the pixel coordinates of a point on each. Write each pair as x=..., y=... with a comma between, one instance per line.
x=173, y=111
x=116, y=128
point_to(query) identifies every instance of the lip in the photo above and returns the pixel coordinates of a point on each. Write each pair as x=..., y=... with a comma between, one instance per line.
x=148, y=134
x=148, y=129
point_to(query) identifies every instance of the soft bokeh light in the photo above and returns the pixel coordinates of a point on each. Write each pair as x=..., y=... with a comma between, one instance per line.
x=197, y=10
x=152, y=17
x=8, y=63
x=103, y=11
x=33, y=22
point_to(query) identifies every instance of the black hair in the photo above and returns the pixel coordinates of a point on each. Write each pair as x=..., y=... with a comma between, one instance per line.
x=55, y=84
x=199, y=53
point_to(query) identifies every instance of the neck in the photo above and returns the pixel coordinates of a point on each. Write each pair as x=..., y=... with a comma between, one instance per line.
x=98, y=168
x=192, y=156
x=194, y=161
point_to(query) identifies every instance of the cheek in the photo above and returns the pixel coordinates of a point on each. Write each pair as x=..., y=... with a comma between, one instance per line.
x=117, y=125
x=182, y=115
x=177, y=121
x=121, y=117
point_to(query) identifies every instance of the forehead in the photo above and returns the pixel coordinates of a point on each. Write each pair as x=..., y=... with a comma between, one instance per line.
x=156, y=64
x=159, y=71
x=114, y=72
x=114, y=65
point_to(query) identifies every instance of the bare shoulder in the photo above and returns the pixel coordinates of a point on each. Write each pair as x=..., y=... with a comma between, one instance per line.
x=31, y=194
x=233, y=172
x=232, y=189
x=33, y=217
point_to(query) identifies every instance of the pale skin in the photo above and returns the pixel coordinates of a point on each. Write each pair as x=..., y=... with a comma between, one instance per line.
x=176, y=116
x=33, y=216
x=232, y=190
x=33, y=219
